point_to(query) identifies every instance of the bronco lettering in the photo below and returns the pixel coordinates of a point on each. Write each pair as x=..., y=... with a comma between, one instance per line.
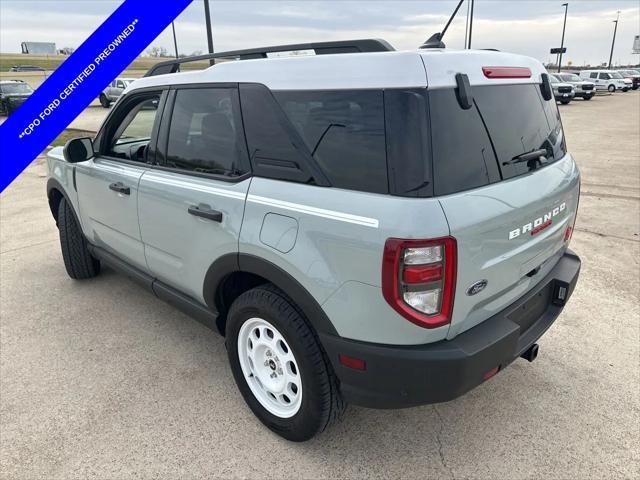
x=539, y=223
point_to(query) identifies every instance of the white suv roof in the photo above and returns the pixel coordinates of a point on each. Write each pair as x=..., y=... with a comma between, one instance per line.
x=434, y=68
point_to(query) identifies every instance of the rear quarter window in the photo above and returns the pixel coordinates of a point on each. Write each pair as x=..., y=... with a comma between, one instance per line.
x=345, y=133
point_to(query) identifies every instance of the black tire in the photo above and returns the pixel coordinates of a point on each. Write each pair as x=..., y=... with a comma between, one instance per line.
x=611, y=88
x=588, y=98
x=565, y=102
x=77, y=260
x=104, y=101
x=322, y=403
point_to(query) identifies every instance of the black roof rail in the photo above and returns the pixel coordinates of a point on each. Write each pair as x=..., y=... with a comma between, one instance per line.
x=320, y=48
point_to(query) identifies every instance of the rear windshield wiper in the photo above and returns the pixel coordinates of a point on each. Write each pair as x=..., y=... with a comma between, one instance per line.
x=531, y=158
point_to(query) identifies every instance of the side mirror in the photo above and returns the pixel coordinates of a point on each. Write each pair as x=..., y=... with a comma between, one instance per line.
x=78, y=150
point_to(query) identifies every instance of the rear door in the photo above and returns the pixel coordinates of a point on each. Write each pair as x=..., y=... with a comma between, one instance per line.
x=191, y=205
x=509, y=219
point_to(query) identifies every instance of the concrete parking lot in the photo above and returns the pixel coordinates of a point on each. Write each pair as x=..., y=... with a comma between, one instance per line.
x=100, y=379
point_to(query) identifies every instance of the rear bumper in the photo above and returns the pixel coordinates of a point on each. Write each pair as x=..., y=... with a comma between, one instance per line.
x=404, y=376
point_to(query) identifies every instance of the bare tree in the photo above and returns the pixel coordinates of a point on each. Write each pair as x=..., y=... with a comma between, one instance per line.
x=155, y=51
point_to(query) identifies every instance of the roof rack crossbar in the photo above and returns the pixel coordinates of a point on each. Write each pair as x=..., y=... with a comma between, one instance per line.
x=320, y=48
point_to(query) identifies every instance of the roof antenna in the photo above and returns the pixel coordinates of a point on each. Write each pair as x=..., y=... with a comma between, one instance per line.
x=435, y=40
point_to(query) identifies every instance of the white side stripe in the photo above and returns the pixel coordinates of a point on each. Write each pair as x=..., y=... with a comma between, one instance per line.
x=195, y=186
x=294, y=207
x=318, y=212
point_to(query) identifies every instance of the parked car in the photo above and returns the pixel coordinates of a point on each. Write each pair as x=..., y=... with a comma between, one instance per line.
x=26, y=68
x=113, y=91
x=606, y=80
x=390, y=234
x=633, y=75
x=563, y=92
x=13, y=93
x=582, y=88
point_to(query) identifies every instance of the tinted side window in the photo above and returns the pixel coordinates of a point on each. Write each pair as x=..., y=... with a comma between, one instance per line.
x=408, y=142
x=130, y=130
x=274, y=150
x=604, y=76
x=594, y=75
x=462, y=154
x=345, y=132
x=205, y=132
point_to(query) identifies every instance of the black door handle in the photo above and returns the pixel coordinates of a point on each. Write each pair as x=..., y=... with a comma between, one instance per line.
x=205, y=211
x=120, y=188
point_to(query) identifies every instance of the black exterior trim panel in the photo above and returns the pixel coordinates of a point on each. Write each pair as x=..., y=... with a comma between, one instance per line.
x=405, y=376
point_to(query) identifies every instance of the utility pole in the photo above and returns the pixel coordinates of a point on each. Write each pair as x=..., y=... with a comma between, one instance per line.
x=175, y=41
x=207, y=18
x=614, y=38
x=466, y=26
x=471, y=24
x=566, y=7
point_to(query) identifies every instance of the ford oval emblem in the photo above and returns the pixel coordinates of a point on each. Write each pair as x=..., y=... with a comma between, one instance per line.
x=477, y=287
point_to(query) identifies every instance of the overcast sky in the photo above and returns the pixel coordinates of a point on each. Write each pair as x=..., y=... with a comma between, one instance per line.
x=527, y=27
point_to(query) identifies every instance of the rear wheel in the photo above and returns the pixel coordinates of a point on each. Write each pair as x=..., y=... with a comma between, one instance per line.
x=279, y=365
x=77, y=260
x=611, y=88
x=104, y=101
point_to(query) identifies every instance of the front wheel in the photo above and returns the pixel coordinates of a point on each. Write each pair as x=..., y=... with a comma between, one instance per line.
x=611, y=88
x=565, y=102
x=104, y=101
x=588, y=97
x=78, y=262
x=279, y=365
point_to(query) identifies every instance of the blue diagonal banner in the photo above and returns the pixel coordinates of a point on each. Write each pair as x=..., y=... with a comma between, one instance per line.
x=80, y=79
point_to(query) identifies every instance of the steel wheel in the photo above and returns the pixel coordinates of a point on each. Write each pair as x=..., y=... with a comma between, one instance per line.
x=270, y=368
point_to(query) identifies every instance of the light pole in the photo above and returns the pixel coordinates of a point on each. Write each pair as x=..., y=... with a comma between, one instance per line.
x=564, y=26
x=175, y=40
x=470, y=25
x=614, y=38
x=207, y=18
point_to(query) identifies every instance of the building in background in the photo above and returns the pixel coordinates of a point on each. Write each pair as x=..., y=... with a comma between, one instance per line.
x=39, y=48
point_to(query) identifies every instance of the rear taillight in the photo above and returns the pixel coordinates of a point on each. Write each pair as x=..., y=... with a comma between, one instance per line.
x=419, y=278
x=568, y=233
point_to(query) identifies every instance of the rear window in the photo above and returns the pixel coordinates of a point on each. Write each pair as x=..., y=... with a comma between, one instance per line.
x=462, y=154
x=519, y=121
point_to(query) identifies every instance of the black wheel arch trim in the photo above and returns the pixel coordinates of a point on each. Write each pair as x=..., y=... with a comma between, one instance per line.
x=53, y=184
x=242, y=262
